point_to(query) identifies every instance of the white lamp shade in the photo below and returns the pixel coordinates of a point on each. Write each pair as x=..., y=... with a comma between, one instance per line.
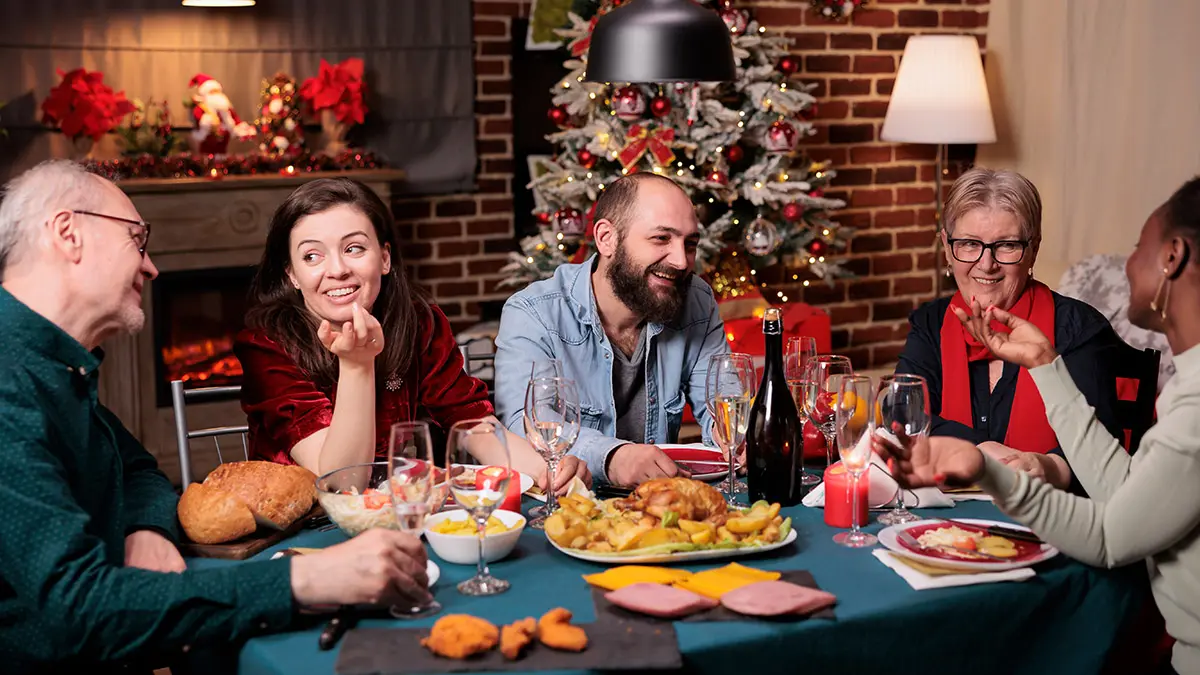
x=940, y=95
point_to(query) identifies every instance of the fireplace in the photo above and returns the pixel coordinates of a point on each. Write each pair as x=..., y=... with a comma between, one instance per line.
x=197, y=314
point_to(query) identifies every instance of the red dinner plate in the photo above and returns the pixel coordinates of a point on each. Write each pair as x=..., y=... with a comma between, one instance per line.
x=1026, y=551
x=703, y=463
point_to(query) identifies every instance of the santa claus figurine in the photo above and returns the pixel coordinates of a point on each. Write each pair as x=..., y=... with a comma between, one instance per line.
x=214, y=118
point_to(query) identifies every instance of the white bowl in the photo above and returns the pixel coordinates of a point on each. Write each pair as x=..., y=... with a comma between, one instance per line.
x=463, y=549
x=349, y=511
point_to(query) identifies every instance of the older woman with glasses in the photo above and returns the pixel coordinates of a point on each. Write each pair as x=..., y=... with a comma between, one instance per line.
x=991, y=231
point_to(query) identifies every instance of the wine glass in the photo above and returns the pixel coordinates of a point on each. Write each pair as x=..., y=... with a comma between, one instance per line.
x=411, y=478
x=820, y=389
x=854, y=424
x=903, y=401
x=546, y=368
x=799, y=351
x=729, y=390
x=551, y=425
x=479, y=489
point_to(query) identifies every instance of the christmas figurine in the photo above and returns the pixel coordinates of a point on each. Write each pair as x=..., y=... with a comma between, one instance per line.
x=215, y=119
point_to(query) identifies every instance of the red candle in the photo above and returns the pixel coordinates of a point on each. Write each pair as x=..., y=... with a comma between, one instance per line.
x=512, y=497
x=837, y=496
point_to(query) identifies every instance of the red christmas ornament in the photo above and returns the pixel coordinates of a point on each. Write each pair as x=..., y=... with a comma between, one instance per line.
x=817, y=194
x=817, y=247
x=735, y=19
x=734, y=154
x=570, y=222
x=629, y=103
x=792, y=212
x=780, y=137
x=660, y=106
x=810, y=112
x=719, y=177
x=543, y=217
x=586, y=158
x=559, y=115
x=788, y=65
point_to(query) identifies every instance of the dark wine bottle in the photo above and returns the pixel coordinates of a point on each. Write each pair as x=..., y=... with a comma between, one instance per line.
x=774, y=433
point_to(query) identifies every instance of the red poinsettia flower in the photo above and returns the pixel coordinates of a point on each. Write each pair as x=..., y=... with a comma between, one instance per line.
x=338, y=88
x=82, y=105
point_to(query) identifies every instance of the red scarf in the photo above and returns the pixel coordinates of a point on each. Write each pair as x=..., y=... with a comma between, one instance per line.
x=1028, y=429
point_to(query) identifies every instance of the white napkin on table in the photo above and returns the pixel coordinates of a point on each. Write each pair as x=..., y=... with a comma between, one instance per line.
x=921, y=581
x=884, y=489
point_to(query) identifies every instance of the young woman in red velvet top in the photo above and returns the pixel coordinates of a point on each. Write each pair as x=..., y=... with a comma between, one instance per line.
x=340, y=345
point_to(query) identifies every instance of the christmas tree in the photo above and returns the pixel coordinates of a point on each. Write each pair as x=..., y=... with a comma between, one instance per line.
x=733, y=146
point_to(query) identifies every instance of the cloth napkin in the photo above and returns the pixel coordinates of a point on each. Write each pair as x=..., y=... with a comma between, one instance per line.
x=884, y=489
x=923, y=577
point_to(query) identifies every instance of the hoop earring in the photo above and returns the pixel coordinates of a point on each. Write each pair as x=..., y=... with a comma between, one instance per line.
x=1159, y=303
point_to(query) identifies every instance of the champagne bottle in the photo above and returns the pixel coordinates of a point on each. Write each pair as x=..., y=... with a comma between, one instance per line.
x=774, y=434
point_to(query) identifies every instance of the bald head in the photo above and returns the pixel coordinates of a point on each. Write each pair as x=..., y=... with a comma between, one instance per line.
x=618, y=202
x=29, y=199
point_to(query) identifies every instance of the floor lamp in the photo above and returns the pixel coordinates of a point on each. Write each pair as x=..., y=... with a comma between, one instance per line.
x=940, y=97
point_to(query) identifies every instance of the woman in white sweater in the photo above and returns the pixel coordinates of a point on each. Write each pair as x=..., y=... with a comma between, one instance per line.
x=1145, y=507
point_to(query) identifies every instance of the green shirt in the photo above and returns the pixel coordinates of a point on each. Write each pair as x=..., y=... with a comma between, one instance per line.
x=73, y=483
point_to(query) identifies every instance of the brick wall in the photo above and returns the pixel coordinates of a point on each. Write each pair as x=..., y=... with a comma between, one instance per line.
x=456, y=243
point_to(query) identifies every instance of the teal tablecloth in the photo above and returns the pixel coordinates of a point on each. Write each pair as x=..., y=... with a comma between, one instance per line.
x=1064, y=620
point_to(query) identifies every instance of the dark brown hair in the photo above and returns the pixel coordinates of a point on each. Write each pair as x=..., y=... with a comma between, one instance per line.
x=278, y=309
x=618, y=199
x=1183, y=211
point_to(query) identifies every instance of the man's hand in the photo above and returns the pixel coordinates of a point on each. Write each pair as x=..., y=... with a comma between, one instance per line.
x=150, y=550
x=634, y=463
x=378, y=567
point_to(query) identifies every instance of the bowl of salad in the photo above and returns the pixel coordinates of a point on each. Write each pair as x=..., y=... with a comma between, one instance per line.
x=357, y=498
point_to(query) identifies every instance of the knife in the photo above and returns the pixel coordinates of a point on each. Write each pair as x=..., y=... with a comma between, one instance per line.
x=341, y=622
x=912, y=541
x=996, y=530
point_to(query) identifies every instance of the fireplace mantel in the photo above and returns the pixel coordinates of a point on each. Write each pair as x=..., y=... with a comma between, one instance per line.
x=198, y=223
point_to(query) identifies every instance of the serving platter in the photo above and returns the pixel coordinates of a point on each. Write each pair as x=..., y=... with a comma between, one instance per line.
x=673, y=557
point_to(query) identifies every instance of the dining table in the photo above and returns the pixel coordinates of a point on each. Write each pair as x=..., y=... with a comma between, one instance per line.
x=1065, y=619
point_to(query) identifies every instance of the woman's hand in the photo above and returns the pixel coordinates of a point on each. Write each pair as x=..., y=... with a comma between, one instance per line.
x=930, y=462
x=358, y=342
x=569, y=467
x=1027, y=462
x=1025, y=345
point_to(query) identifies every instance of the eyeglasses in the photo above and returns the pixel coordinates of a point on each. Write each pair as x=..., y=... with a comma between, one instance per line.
x=141, y=237
x=1007, y=252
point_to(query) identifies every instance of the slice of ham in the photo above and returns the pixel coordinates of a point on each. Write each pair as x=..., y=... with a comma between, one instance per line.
x=666, y=602
x=776, y=598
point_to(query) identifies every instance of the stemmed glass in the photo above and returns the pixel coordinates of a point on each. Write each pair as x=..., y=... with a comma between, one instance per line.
x=551, y=425
x=546, y=368
x=729, y=390
x=820, y=389
x=855, y=424
x=799, y=351
x=903, y=401
x=479, y=490
x=411, y=478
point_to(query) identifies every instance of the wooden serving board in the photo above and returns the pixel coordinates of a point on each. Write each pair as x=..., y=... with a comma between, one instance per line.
x=251, y=544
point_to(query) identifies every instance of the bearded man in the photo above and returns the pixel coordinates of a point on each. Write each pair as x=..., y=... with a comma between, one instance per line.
x=631, y=325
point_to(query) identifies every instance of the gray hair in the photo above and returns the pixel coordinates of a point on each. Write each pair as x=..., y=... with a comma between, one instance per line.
x=1001, y=190
x=31, y=197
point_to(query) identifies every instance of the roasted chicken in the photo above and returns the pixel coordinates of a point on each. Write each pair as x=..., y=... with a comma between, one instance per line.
x=688, y=499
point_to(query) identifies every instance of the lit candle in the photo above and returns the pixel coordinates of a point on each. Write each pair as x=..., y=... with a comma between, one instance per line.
x=214, y=174
x=288, y=171
x=837, y=496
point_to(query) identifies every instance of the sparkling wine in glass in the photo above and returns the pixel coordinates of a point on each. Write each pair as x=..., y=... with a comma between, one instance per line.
x=479, y=489
x=903, y=403
x=411, y=486
x=821, y=381
x=854, y=425
x=799, y=351
x=551, y=425
x=729, y=389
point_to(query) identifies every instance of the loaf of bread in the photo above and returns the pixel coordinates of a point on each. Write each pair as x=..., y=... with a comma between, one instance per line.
x=239, y=496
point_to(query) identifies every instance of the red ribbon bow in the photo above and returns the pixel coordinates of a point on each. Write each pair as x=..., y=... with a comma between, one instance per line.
x=642, y=140
x=581, y=44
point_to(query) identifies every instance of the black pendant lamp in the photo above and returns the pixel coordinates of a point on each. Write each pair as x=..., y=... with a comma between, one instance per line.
x=660, y=41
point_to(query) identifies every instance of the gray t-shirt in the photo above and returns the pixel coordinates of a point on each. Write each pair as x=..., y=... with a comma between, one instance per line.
x=629, y=392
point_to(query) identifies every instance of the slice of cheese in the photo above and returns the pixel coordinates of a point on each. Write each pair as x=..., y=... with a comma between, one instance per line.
x=717, y=582
x=619, y=577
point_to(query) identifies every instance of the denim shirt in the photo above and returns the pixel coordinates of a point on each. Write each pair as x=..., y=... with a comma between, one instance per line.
x=557, y=318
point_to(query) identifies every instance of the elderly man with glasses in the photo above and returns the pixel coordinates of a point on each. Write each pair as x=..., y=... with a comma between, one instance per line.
x=90, y=578
x=991, y=230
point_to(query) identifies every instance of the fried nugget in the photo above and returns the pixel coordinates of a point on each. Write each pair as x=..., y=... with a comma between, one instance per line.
x=515, y=636
x=555, y=631
x=459, y=636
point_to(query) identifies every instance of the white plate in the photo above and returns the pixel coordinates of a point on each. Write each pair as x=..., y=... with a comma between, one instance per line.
x=685, y=556
x=432, y=571
x=720, y=466
x=887, y=537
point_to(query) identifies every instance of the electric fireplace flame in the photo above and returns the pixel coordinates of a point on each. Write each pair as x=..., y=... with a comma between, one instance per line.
x=205, y=363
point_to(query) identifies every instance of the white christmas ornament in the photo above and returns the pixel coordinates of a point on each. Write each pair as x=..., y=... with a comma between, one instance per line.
x=780, y=137
x=629, y=103
x=761, y=237
x=275, y=106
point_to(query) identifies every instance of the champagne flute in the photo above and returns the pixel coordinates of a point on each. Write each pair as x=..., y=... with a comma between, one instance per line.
x=479, y=490
x=551, y=425
x=903, y=401
x=729, y=390
x=820, y=390
x=799, y=351
x=855, y=424
x=411, y=478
